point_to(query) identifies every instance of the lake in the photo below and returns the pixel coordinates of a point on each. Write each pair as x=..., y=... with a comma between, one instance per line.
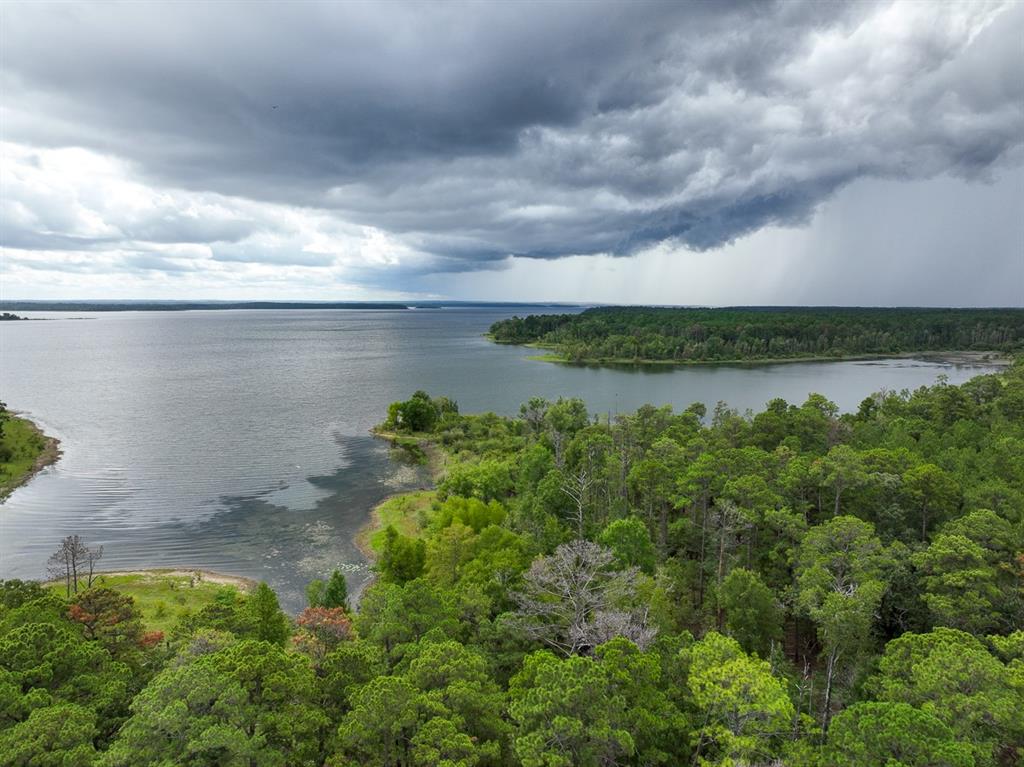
x=237, y=440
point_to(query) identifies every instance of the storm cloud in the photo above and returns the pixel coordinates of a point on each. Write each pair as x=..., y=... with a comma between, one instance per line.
x=405, y=139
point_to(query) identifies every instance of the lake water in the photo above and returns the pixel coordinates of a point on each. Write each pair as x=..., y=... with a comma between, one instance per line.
x=237, y=440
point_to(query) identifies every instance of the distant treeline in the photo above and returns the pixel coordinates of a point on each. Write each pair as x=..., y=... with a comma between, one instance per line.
x=694, y=335
x=181, y=306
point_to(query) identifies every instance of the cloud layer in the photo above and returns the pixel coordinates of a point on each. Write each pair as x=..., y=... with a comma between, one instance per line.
x=378, y=143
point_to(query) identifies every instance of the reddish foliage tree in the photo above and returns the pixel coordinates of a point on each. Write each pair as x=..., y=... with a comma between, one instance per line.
x=151, y=639
x=322, y=629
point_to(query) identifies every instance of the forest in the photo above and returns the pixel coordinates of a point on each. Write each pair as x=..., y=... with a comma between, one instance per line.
x=794, y=587
x=646, y=334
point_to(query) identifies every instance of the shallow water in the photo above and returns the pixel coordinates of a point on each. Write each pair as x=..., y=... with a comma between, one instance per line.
x=237, y=440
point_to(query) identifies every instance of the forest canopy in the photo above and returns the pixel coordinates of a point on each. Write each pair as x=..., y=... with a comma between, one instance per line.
x=796, y=587
x=635, y=334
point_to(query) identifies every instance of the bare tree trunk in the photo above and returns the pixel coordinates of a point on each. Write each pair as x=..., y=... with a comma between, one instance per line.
x=576, y=488
x=703, y=538
x=67, y=573
x=826, y=714
x=718, y=581
x=924, y=522
x=92, y=557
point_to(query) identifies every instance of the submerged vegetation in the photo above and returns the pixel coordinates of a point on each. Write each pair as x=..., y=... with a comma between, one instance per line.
x=797, y=587
x=645, y=334
x=24, y=450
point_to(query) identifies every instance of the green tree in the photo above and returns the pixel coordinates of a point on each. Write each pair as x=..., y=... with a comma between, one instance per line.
x=651, y=717
x=566, y=715
x=630, y=542
x=744, y=711
x=344, y=670
x=395, y=616
x=402, y=558
x=248, y=704
x=456, y=678
x=894, y=735
x=55, y=736
x=950, y=675
x=842, y=469
x=385, y=717
x=336, y=593
x=418, y=413
x=752, y=616
x=959, y=584
x=840, y=582
x=42, y=664
x=263, y=610
x=655, y=481
x=933, y=492
x=332, y=594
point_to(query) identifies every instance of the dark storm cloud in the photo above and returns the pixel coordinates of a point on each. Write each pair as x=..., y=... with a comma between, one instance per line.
x=471, y=131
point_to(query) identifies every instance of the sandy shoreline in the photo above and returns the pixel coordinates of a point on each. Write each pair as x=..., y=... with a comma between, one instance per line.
x=208, y=576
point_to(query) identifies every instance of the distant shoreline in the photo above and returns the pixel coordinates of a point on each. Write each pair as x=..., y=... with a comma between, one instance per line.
x=185, y=306
x=952, y=357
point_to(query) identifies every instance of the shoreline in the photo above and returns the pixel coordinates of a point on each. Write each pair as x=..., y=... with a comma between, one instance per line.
x=436, y=461
x=51, y=453
x=205, y=576
x=951, y=357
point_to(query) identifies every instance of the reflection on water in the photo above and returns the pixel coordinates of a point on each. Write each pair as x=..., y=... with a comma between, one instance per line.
x=237, y=441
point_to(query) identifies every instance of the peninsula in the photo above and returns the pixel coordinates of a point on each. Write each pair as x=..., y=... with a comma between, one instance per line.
x=631, y=335
x=24, y=451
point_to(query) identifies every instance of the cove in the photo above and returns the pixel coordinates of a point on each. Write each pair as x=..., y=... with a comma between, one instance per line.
x=237, y=441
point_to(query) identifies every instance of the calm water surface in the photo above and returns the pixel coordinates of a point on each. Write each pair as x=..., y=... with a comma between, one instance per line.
x=237, y=440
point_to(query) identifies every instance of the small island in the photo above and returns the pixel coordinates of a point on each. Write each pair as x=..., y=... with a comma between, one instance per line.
x=24, y=451
x=676, y=336
x=8, y=317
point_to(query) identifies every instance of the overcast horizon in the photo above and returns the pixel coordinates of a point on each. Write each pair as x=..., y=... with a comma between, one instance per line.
x=734, y=153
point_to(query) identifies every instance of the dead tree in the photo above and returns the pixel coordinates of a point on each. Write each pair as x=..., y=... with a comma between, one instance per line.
x=92, y=556
x=576, y=486
x=71, y=561
x=573, y=600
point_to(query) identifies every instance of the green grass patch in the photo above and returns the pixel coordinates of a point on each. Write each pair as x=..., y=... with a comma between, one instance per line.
x=164, y=599
x=23, y=450
x=406, y=513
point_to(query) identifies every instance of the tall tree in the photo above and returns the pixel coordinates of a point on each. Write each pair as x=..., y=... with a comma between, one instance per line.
x=959, y=585
x=263, y=610
x=744, y=711
x=933, y=491
x=840, y=582
x=752, y=616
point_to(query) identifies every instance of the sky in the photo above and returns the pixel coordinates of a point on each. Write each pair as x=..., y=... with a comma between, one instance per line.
x=862, y=153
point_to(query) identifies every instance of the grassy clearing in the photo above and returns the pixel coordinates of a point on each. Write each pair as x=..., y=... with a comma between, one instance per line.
x=405, y=512
x=163, y=597
x=26, y=450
